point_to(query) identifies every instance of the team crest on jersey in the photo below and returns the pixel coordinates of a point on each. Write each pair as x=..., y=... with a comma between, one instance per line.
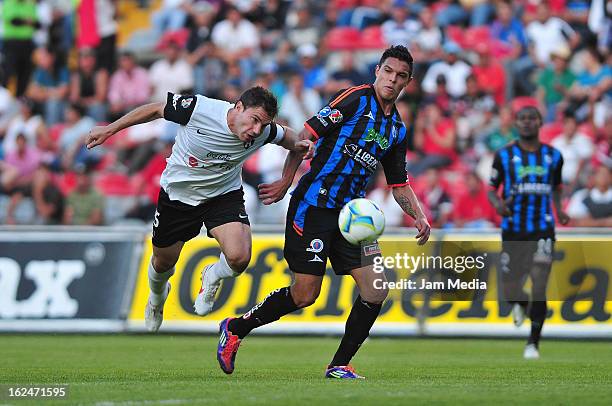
x=335, y=116
x=316, y=245
x=186, y=102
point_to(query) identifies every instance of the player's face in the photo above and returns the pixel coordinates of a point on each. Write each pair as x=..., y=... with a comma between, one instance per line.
x=391, y=77
x=528, y=123
x=251, y=122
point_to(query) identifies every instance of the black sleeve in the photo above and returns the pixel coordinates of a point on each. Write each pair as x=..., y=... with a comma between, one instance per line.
x=339, y=110
x=557, y=179
x=497, y=172
x=179, y=108
x=394, y=164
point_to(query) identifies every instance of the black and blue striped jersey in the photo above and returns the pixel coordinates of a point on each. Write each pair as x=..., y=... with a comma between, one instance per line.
x=529, y=179
x=353, y=136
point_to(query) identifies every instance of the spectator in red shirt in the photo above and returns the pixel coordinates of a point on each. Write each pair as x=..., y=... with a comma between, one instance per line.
x=434, y=137
x=490, y=74
x=146, y=184
x=472, y=209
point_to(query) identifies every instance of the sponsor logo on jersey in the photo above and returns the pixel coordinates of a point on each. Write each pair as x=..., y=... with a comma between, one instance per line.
x=324, y=112
x=372, y=135
x=363, y=157
x=175, y=99
x=186, y=102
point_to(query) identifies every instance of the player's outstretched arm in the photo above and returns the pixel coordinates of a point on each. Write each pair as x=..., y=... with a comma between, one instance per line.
x=274, y=192
x=407, y=200
x=139, y=115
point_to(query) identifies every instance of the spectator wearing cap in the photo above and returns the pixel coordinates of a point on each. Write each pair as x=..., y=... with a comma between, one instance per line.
x=593, y=207
x=84, y=205
x=554, y=82
x=171, y=74
x=49, y=85
x=31, y=125
x=454, y=70
x=237, y=39
x=89, y=86
x=400, y=29
x=299, y=103
x=315, y=75
x=576, y=149
x=129, y=86
x=490, y=74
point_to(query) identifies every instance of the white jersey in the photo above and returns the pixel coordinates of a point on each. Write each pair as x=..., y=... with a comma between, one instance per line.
x=206, y=159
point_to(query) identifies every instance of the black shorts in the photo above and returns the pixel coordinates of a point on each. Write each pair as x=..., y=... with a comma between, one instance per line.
x=312, y=236
x=177, y=221
x=519, y=257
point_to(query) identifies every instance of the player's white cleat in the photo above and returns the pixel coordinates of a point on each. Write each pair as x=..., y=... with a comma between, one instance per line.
x=531, y=352
x=154, y=315
x=206, y=298
x=518, y=314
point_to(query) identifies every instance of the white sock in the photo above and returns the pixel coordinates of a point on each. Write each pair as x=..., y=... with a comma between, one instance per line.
x=157, y=284
x=221, y=270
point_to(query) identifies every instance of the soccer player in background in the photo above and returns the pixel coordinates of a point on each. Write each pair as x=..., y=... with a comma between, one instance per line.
x=530, y=173
x=359, y=128
x=202, y=183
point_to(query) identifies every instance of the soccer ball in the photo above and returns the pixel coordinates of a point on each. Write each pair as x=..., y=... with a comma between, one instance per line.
x=361, y=220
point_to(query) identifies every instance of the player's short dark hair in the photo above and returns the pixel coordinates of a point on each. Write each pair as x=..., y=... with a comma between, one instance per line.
x=398, y=52
x=257, y=96
x=532, y=108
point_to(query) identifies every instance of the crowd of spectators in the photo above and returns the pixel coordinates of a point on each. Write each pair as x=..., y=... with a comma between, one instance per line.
x=476, y=63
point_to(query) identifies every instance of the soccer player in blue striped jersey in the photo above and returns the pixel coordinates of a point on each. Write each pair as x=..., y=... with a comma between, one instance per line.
x=356, y=130
x=530, y=175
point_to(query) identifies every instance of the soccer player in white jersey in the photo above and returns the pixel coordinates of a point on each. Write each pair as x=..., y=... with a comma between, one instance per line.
x=202, y=183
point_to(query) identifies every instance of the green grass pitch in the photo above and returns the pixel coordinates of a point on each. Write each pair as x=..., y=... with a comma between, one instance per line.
x=131, y=370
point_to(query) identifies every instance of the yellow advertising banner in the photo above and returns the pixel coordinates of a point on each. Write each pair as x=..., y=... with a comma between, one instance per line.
x=579, y=293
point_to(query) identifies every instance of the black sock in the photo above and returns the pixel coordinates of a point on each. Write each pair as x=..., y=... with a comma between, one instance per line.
x=274, y=306
x=358, y=325
x=537, y=315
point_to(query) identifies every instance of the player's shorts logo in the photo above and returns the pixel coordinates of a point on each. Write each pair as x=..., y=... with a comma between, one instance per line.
x=335, y=116
x=316, y=245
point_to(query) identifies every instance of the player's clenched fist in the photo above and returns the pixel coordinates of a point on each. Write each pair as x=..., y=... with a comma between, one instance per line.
x=97, y=136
